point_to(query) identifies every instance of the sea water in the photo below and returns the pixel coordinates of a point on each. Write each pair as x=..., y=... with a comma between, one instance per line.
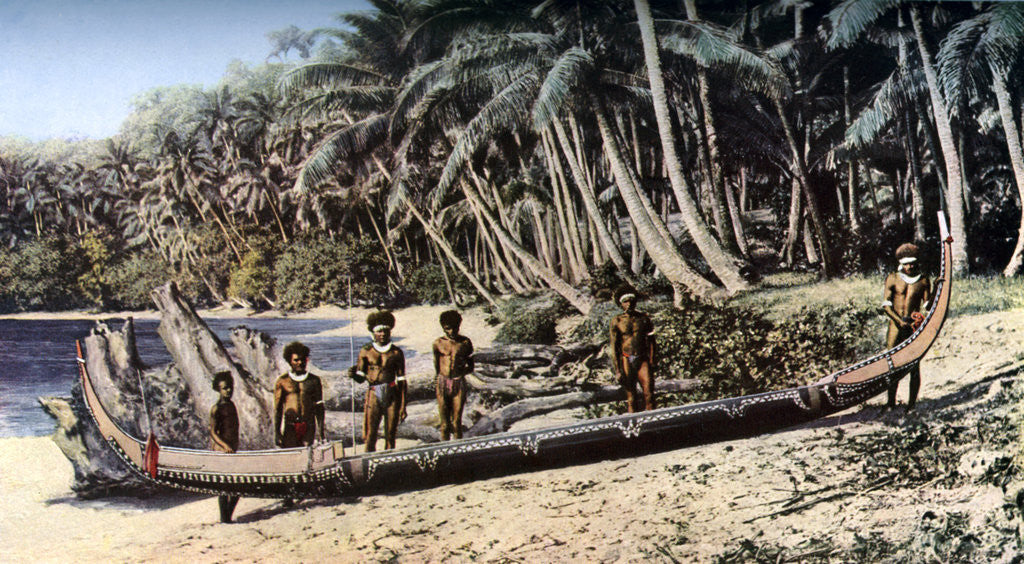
x=37, y=357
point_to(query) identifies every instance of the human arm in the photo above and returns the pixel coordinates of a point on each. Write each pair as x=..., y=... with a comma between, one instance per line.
x=615, y=348
x=358, y=370
x=403, y=386
x=470, y=363
x=318, y=409
x=437, y=358
x=278, y=408
x=888, y=295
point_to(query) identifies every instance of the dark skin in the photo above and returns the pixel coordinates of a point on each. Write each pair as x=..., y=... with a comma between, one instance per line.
x=382, y=368
x=906, y=299
x=452, y=361
x=289, y=400
x=225, y=391
x=632, y=349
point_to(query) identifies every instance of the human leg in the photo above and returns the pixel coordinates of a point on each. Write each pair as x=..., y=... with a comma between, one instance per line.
x=443, y=410
x=371, y=421
x=458, y=402
x=227, y=505
x=915, y=385
x=645, y=377
x=392, y=414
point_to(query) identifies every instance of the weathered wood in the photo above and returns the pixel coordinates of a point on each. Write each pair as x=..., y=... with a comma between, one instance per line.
x=502, y=419
x=199, y=354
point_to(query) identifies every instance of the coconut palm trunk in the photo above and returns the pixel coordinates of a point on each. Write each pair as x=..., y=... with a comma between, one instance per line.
x=722, y=264
x=1012, y=134
x=662, y=252
x=954, y=173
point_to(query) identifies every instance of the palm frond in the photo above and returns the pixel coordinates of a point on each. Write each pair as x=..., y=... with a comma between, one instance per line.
x=851, y=18
x=503, y=112
x=565, y=78
x=343, y=145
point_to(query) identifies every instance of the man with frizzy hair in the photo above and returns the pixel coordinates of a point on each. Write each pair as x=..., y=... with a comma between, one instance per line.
x=298, y=401
x=382, y=366
x=632, y=350
x=906, y=291
x=453, y=360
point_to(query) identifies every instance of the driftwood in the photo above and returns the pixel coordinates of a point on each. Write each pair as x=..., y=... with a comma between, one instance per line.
x=502, y=419
x=198, y=355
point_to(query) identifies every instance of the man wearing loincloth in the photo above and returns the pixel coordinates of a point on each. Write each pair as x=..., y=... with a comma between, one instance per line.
x=381, y=365
x=453, y=359
x=906, y=291
x=633, y=350
x=224, y=432
x=298, y=401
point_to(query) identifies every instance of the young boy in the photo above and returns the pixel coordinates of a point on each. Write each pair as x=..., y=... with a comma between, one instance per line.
x=224, y=432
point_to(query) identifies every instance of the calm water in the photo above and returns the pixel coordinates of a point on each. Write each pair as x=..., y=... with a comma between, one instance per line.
x=37, y=358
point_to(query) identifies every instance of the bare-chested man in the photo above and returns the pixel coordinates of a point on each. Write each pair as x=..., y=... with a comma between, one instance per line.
x=633, y=350
x=298, y=401
x=224, y=432
x=382, y=365
x=453, y=359
x=906, y=291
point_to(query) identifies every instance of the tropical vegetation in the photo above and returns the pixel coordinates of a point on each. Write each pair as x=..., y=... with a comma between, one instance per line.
x=462, y=150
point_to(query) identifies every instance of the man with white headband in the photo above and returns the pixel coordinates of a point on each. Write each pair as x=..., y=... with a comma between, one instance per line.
x=632, y=350
x=906, y=291
x=382, y=365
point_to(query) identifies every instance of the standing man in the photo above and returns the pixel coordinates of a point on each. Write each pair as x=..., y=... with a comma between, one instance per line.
x=632, y=350
x=453, y=359
x=906, y=290
x=382, y=365
x=298, y=401
x=224, y=432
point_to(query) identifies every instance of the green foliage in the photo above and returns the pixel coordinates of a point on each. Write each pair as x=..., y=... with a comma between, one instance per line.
x=594, y=327
x=40, y=274
x=738, y=351
x=316, y=270
x=132, y=279
x=253, y=279
x=426, y=284
x=531, y=320
x=95, y=249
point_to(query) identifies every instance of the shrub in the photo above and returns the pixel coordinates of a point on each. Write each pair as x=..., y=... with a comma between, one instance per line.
x=315, y=270
x=531, y=320
x=426, y=284
x=253, y=279
x=133, y=278
x=739, y=351
x=41, y=274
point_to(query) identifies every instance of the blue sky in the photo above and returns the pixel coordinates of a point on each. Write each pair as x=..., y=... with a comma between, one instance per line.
x=69, y=68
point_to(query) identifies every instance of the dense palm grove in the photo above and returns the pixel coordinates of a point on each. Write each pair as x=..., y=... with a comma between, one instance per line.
x=449, y=150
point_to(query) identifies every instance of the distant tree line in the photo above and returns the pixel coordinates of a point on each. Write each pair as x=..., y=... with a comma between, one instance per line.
x=464, y=149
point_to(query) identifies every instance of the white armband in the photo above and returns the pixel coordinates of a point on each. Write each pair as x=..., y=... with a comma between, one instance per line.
x=400, y=379
x=886, y=303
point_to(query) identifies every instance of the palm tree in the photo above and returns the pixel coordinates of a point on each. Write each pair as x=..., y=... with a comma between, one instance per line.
x=986, y=49
x=850, y=20
x=723, y=265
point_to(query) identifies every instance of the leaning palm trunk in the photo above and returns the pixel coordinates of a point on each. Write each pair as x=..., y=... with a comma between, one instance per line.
x=954, y=174
x=577, y=299
x=590, y=204
x=851, y=163
x=722, y=264
x=663, y=253
x=453, y=257
x=1012, y=134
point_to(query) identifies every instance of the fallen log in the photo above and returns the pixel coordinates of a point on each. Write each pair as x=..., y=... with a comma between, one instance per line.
x=502, y=419
x=198, y=355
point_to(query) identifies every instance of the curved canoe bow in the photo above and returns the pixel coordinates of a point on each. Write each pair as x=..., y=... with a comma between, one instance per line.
x=323, y=471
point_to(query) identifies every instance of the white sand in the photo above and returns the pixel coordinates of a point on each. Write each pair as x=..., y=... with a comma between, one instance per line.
x=692, y=504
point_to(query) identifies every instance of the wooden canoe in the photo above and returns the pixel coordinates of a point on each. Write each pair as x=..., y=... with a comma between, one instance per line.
x=323, y=471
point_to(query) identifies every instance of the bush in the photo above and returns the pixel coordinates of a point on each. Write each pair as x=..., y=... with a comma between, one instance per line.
x=531, y=320
x=133, y=278
x=254, y=278
x=316, y=270
x=426, y=285
x=739, y=351
x=41, y=274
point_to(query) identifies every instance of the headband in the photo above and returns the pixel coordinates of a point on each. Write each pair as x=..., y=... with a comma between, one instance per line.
x=625, y=297
x=908, y=260
x=379, y=328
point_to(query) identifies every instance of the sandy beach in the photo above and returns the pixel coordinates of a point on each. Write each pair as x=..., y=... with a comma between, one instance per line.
x=688, y=505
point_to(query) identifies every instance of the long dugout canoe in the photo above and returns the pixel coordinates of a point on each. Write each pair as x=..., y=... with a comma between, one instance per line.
x=323, y=471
